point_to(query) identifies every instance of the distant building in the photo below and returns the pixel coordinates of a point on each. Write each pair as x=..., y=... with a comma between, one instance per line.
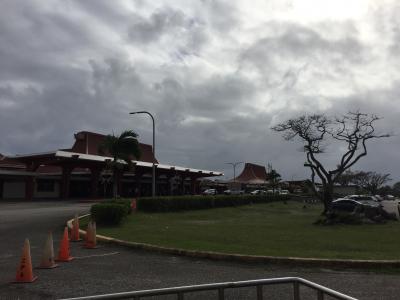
x=80, y=172
x=252, y=177
x=299, y=186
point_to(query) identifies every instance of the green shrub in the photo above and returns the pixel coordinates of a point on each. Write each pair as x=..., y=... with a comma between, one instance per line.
x=109, y=213
x=179, y=203
x=125, y=202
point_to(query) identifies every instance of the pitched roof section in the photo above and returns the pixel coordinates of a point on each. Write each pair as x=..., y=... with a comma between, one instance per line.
x=88, y=143
x=252, y=173
x=10, y=164
x=85, y=148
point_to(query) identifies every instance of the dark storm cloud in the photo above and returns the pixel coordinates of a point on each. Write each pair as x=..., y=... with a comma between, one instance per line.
x=165, y=24
x=221, y=94
x=70, y=66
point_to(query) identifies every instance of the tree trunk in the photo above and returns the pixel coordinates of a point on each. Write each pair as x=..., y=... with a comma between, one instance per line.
x=115, y=184
x=327, y=196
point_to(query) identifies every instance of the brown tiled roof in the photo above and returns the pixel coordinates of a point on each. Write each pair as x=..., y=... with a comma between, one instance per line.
x=89, y=142
x=10, y=164
x=252, y=173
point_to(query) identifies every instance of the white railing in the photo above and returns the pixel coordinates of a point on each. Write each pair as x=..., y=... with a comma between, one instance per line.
x=296, y=282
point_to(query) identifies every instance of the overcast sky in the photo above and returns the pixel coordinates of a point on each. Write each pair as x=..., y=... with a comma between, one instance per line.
x=215, y=74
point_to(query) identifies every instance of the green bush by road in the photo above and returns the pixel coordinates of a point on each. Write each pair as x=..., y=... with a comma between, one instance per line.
x=109, y=213
x=276, y=229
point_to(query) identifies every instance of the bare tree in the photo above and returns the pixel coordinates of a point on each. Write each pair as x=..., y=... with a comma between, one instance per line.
x=353, y=130
x=347, y=177
x=396, y=188
x=371, y=181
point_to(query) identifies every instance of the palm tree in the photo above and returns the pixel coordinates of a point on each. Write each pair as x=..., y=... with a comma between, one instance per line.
x=122, y=148
x=275, y=177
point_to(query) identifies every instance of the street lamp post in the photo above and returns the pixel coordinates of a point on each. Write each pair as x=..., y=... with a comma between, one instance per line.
x=153, y=188
x=234, y=164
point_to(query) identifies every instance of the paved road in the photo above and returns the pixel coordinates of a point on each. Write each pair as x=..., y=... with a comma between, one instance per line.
x=116, y=269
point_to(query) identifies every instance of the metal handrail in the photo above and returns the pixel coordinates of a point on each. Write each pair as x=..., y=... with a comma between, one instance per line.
x=220, y=287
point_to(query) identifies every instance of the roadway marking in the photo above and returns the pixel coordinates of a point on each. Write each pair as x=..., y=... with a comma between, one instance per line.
x=96, y=255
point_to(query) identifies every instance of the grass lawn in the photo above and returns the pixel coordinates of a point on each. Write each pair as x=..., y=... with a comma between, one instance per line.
x=263, y=229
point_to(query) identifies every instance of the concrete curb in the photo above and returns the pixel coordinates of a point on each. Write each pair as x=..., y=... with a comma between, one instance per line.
x=291, y=261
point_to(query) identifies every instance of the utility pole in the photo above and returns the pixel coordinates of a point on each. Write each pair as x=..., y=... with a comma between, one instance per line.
x=234, y=164
x=153, y=186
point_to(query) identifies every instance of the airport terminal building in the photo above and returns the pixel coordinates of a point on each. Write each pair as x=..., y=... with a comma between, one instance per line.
x=81, y=172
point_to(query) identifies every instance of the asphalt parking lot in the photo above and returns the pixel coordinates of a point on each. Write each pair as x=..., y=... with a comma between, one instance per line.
x=116, y=269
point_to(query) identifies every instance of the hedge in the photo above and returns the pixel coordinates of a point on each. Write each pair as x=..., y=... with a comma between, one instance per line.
x=179, y=203
x=109, y=213
x=125, y=202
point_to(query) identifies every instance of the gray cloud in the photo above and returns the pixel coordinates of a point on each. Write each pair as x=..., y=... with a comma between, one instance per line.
x=290, y=48
x=214, y=88
x=162, y=22
x=219, y=95
x=221, y=15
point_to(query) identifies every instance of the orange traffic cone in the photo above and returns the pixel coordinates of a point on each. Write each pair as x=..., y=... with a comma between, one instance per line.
x=24, y=271
x=75, y=230
x=47, y=261
x=63, y=252
x=91, y=242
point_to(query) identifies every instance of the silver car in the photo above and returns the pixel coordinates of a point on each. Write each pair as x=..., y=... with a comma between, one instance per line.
x=210, y=192
x=350, y=205
x=258, y=192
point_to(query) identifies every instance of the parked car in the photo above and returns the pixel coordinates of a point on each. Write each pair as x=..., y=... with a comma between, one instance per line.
x=233, y=192
x=283, y=192
x=210, y=192
x=389, y=197
x=360, y=198
x=391, y=205
x=258, y=192
x=350, y=205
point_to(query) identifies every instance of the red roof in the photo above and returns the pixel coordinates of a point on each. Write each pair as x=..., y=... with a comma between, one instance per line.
x=252, y=173
x=10, y=164
x=85, y=142
x=89, y=142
